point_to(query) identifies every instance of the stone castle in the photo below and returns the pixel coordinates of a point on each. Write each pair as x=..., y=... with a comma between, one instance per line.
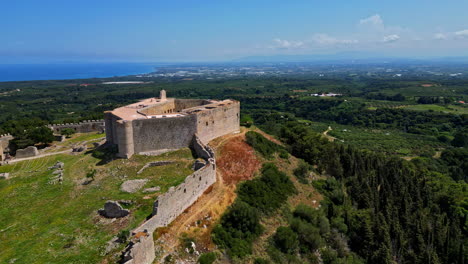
x=162, y=123
x=158, y=124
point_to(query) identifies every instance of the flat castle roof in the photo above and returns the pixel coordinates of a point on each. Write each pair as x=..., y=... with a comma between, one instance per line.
x=132, y=111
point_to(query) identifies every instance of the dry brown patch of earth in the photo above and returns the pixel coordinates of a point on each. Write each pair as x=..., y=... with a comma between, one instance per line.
x=236, y=161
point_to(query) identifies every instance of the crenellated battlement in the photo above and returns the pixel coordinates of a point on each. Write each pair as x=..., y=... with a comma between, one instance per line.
x=81, y=127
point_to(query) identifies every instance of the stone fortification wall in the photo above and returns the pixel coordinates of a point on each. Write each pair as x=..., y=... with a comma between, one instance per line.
x=177, y=199
x=4, y=142
x=164, y=107
x=82, y=127
x=181, y=104
x=163, y=133
x=218, y=121
x=164, y=127
x=110, y=127
x=27, y=152
x=170, y=205
x=140, y=250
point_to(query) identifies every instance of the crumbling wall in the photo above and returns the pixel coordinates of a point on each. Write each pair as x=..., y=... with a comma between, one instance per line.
x=177, y=199
x=140, y=250
x=163, y=133
x=170, y=205
x=27, y=152
x=218, y=120
x=4, y=142
x=82, y=127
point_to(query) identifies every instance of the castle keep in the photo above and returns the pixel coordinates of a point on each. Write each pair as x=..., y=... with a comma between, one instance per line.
x=169, y=123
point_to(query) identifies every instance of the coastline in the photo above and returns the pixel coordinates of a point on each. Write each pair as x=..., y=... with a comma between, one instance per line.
x=71, y=71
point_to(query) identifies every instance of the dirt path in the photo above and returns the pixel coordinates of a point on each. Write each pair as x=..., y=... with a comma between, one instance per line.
x=325, y=133
x=40, y=156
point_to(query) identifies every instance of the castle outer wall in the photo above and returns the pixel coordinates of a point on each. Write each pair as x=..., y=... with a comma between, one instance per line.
x=170, y=205
x=170, y=124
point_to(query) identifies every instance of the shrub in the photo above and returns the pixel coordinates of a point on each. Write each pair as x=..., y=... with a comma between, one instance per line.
x=262, y=145
x=286, y=240
x=261, y=261
x=267, y=192
x=123, y=236
x=207, y=258
x=302, y=172
x=238, y=227
x=67, y=132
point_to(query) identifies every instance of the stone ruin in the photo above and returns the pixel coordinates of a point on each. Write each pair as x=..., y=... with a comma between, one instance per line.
x=30, y=151
x=57, y=173
x=170, y=205
x=82, y=127
x=4, y=143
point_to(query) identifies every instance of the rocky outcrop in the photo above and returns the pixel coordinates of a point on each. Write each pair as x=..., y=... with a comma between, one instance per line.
x=57, y=165
x=133, y=186
x=113, y=209
x=79, y=148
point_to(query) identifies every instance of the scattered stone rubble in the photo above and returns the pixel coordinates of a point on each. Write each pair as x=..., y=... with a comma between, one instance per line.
x=57, y=173
x=79, y=148
x=4, y=175
x=133, y=186
x=113, y=209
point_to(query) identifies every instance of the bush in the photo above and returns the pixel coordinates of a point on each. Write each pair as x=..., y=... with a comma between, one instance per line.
x=123, y=236
x=67, y=132
x=302, y=172
x=238, y=227
x=261, y=261
x=268, y=192
x=262, y=145
x=286, y=240
x=207, y=258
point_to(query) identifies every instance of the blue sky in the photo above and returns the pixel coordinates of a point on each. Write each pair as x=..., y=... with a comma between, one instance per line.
x=205, y=30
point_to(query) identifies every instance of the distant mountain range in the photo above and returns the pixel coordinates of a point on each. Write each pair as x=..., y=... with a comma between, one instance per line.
x=347, y=57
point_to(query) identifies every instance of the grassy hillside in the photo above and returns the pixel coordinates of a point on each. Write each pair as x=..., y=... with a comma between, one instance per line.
x=42, y=222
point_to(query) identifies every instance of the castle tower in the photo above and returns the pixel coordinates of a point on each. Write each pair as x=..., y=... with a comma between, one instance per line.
x=162, y=95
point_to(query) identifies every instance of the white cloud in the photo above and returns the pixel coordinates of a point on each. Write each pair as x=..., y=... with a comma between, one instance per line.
x=287, y=44
x=440, y=36
x=324, y=39
x=374, y=21
x=390, y=38
x=462, y=33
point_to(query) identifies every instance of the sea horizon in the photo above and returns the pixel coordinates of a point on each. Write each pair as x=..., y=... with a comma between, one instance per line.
x=67, y=71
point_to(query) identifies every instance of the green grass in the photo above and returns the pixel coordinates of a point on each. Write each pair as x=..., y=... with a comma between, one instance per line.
x=386, y=141
x=76, y=138
x=454, y=109
x=45, y=223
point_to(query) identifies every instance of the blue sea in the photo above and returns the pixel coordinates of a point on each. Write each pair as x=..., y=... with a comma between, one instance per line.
x=29, y=72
